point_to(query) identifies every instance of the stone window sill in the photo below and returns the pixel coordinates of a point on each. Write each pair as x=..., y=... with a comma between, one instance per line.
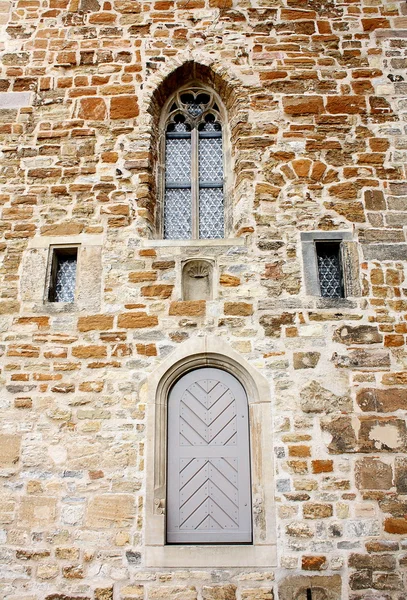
x=193, y=243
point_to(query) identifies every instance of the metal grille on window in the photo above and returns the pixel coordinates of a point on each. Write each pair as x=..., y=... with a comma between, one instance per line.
x=329, y=270
x=211, y=211
x=177, y=200
x=65, y=280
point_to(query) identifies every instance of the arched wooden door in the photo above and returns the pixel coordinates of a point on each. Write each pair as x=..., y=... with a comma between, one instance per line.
x=208, y=474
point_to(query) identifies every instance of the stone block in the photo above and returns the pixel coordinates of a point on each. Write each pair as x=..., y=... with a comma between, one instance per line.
x=362, y=359
x=313, y=563
x=401, y=474
x=123, y=107
x=317, y=399
x=138, y=320
x=379, y=400
x=173, y=592
x=219, y=592
x=110, y=510
x=303, y=105
x=382, y=252
x=373, y=474
x=306, y=360
x=10, y=447
x=242, y=309
x=317, y=510
x=37, y=511
x=257, y=594
x=357, y=334
x=95, y=322
x=188, y=308
x=93, y=109
x=323, y=586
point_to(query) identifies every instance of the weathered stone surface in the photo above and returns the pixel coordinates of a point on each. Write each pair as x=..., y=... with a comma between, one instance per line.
x=219, y=592
x=373, y=474
x=306, y=360
x=379, y=400
x=315, y=510
x=317, y=399
x=357, y=334
x=401, y=474
x=136, y=320
x=176, y=592
x=10, y=446
x=361, y=359
x=37, y=511
x=190, y=308
x=328, y=587
x=110, y=510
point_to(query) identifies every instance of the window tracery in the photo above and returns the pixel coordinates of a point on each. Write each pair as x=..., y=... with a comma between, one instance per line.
x=193, y=164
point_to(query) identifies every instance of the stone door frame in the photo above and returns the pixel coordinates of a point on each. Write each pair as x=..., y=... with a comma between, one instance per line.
x=212, y=352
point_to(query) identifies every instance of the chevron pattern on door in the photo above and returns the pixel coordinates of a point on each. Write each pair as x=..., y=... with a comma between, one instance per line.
x=208, y=460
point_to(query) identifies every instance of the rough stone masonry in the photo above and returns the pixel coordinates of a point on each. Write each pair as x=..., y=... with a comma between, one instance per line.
x=315, y=94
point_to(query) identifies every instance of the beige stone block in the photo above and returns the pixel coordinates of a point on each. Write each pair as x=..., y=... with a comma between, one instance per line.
x=7, y=506
x=10, y=445
x=110, y=510
x=173, y=592
x=132, y=592
x=37, y=511
x=47, y=571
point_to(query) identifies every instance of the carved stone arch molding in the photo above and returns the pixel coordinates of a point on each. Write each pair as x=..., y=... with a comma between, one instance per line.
x=193, y=354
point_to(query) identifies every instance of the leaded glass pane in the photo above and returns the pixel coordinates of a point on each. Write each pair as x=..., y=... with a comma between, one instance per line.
x=178, y=160
x=329, y=270
x=177, y=214
x=211, y=213
x=65, y=280
x=210, y=160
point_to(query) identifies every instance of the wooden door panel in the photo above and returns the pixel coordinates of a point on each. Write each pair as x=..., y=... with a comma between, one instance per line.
x=208, y=475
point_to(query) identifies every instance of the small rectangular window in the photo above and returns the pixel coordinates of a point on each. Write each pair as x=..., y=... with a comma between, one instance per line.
x=63, y=275
x=330, y=272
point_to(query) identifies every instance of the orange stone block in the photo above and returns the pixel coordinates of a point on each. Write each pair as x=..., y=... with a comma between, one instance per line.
x=123, y=107
x=95, y=322
x=92, y=108
x=188, y=308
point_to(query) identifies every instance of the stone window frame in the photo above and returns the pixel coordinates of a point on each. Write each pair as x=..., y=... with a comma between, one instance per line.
x=209, y=352
x=37, y=263
x=227, y=163
x=349, y=262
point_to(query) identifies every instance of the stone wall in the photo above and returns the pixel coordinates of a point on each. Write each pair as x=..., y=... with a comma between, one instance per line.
x=316, y=99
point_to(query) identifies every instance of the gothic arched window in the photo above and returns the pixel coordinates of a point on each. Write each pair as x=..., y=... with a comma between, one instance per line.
x=193, y=181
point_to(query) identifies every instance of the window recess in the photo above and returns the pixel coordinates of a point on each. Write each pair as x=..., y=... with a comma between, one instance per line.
x=62, y=281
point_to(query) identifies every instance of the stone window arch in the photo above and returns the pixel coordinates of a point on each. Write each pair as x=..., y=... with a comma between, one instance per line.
x=203, y=353
x=192, y=181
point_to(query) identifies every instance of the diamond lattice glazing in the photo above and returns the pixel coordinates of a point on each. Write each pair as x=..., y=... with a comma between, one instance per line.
x=177, y=214
x=210, y=160
x=211, y=213
x=329, y=270
x=178, y=160
x=65, y=280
